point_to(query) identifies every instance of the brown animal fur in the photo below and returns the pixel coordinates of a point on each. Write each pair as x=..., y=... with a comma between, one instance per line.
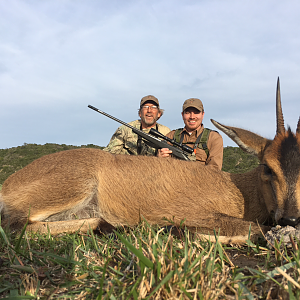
x=77, y=189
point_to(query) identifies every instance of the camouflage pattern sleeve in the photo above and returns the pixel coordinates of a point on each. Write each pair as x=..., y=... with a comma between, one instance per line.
x=124, y=141
x=118, y=140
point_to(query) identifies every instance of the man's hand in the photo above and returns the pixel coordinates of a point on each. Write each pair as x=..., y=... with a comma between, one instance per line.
x=164, y=152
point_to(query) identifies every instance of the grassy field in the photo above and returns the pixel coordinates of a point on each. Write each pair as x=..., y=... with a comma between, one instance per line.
x=145, y=262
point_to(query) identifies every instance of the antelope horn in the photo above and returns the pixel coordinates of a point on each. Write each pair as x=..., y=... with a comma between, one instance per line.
x=279, y=115
x=298, y=126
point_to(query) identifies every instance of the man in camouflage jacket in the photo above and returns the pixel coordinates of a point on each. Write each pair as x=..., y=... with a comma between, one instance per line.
x=124, y=141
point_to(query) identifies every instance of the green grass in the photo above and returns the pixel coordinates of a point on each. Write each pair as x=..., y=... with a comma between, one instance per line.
x=142, y=263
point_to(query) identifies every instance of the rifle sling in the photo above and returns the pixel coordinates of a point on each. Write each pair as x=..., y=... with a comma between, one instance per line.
x=202, y=139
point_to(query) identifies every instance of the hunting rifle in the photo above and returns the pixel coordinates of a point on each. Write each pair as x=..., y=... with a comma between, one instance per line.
x=180, y=151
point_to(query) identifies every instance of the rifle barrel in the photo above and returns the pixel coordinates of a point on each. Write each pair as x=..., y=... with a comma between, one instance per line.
x=107, y=115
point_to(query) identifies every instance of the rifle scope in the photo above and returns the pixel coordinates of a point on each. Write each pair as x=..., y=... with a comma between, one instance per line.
x=160, y=135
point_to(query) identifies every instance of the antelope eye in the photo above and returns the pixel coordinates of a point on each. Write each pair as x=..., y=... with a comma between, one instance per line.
x=268, y=171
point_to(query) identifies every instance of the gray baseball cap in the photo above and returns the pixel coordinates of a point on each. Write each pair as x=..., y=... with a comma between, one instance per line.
x=193, y=102
x=149, y=98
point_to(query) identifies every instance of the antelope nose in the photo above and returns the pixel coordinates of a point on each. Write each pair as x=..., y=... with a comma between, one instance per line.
x=291, y=221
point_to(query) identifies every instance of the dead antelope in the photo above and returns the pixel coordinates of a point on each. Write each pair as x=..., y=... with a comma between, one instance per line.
x=75, y=189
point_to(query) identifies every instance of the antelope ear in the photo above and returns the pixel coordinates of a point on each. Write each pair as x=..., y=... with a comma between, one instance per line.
x=248, y=141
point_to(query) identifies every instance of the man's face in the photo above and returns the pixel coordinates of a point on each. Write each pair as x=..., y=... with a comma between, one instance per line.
x=192, y=118
x=149, y=114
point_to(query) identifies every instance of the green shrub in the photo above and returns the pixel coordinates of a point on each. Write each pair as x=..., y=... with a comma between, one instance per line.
x=16, y=158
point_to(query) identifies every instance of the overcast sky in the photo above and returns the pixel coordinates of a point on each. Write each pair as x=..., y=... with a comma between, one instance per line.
x=59, y=56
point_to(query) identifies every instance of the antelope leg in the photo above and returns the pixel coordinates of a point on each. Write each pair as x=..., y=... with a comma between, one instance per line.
x=82, y=225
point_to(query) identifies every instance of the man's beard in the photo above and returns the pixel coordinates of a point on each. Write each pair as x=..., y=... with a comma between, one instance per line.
x=148, y=123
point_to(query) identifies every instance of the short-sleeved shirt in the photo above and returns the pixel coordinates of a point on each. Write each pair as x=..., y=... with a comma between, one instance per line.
x=124, y=141
x=214, y=145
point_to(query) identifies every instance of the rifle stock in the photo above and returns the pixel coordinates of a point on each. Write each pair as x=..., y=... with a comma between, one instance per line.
x=154, y=141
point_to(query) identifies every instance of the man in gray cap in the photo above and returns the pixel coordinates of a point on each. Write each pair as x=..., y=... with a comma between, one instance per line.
x=124, y=141
x=207, y=143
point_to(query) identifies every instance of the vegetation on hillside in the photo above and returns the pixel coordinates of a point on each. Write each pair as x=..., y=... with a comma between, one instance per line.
x=14, y=159
x=237, y=161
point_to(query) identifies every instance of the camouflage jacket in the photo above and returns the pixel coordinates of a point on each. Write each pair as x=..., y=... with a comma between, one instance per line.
x=124, y=141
